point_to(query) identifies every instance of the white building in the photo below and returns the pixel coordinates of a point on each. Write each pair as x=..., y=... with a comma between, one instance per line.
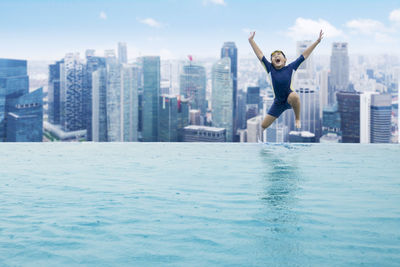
x=254, y=129
x=222, y=97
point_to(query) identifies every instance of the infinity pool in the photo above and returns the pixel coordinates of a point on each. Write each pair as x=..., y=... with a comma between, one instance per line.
x=192, y=204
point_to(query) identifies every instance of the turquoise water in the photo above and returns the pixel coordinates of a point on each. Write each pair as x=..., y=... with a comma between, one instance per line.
x=181, y=204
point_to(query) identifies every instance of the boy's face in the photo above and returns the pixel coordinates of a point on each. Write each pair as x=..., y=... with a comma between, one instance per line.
x=278, y=60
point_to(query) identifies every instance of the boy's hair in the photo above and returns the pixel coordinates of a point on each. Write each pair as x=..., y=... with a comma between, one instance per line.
x=278, y=51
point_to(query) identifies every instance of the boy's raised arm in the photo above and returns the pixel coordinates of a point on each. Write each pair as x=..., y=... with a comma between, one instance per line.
x=255, y=47
x=308, y=51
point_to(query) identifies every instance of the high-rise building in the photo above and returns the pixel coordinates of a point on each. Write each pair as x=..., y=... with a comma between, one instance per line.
x=229, y=50
x=241, y=108
x=254, y=129
x=54, y=105
x=183, y=116
x=339, y=74
x=21, y=112
x=130, y=102
x=381, y=109
x=349, y=109
x=193, y=86
x=14, y=82
x=122, y=53
x=115, y=102
x=222, y=100
x=195, y=133
x=168, y=117
x=71, y=94
x=253, y=102
x=114, y=96
x=25, y=118
x=365, y=117
x=151, y=93
x=309, y=115
x=99, y=105
x=331, y=120
x=306, y=69
x=253, y=96
x=92, y=64
x=323, y=90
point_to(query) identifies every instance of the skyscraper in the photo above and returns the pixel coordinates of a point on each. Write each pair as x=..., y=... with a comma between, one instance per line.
x=122, y=53
x=25, y=118
x=309, y=116
x=14, y=82
x=241, y=109
x=253, y=102
x=229, y=50
x=114, y=105
x=381, y=109
x=339, y=75
x=130, y=102
x=183, y=116
x=349, y=109
x=306, y=69
x=71, y=94
x=21, y=112
x=54, y=105
x=92, y=64
x=168, y=130
x=331, y=120
x=151, y=94
x=222, y=100
x=99, y=105
x=365, y=116
x=254, y=129
x=323, y=90
x=193, y=86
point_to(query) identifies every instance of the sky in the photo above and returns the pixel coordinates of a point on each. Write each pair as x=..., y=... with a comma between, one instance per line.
x=173, y=29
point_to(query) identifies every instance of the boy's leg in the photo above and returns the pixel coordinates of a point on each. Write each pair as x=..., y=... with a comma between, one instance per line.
x=294, y=101
x=268, y=120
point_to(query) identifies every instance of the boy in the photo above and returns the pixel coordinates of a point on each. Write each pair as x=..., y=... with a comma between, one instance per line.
x=281, y=77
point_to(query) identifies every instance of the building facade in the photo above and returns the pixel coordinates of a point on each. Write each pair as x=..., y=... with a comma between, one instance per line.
x=151, y=95
x=222, y=97
x=339, y=74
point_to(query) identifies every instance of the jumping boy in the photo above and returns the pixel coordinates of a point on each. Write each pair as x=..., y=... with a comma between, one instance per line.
x=281, y=77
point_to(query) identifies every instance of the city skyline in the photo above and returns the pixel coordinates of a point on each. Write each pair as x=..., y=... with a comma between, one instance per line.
x=173, y=29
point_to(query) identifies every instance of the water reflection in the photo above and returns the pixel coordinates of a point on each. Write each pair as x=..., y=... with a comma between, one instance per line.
x=279, y=196
x=282, y=177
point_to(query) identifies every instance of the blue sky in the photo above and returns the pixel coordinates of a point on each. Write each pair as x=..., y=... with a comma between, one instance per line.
x=45, y=29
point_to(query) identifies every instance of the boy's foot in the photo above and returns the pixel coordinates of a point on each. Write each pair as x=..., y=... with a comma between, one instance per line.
x=298, y=124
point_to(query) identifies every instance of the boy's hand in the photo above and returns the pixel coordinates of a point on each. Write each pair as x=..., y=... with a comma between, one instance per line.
x=251, y=37
x=321, y=35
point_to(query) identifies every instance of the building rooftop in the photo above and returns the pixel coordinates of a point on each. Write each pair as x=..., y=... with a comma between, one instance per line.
x=204, y=128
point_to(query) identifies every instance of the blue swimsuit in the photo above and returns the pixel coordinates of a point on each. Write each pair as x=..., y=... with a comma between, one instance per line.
x=281, y=83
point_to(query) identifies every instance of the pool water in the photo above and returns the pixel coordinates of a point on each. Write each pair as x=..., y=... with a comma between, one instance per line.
x=193, y=204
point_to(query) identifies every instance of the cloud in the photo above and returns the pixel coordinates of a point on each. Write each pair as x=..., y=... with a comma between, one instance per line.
x=366, y=26
x=395, y=16
x=103, y=15
x=151, y=22
x=215, y=2
x=308, y=28
x=373, y=29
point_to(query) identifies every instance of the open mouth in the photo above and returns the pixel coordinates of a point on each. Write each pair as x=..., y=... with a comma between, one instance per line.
x=278, y=61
